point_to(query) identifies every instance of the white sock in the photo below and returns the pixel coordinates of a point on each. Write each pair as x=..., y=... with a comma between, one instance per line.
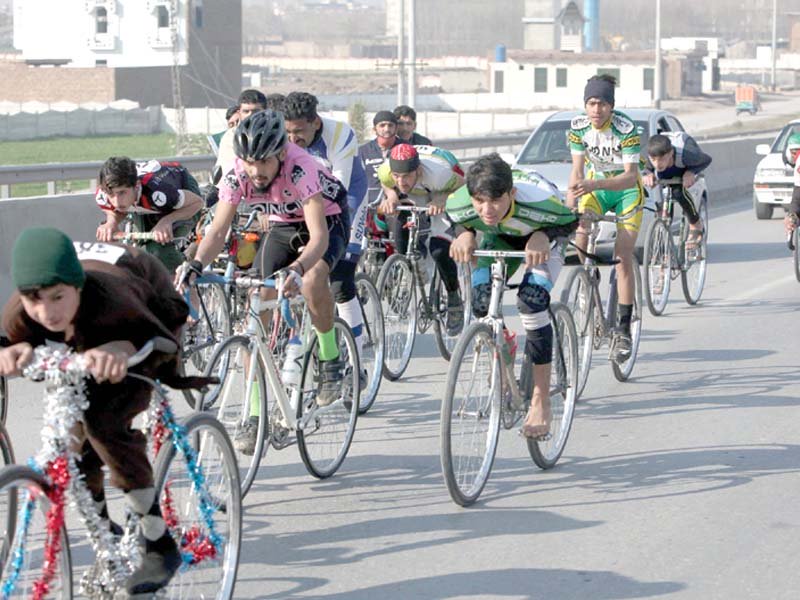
x=350, y=311
x=141, y=501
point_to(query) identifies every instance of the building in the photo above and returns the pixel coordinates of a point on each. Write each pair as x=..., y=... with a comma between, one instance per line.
x=104, y=50
x=547, y=25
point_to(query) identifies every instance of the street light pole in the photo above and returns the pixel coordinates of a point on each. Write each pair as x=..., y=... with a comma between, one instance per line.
x=401, y=32
x=412, y=52
x=657, y=72
x=774, y=42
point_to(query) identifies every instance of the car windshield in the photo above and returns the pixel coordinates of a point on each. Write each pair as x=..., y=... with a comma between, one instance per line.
x=549, y=143
x=779, y=145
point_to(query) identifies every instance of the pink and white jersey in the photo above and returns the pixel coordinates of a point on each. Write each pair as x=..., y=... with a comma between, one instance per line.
x=300, y=177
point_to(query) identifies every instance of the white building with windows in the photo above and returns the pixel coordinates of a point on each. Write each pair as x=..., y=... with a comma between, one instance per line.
x=114, y=33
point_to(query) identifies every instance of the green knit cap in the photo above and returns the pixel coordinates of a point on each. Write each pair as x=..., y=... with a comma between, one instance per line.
x=43, y=257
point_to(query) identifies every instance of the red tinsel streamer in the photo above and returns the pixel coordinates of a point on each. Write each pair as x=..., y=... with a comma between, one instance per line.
x=58, y=473
x=167, y=508
x=198, y=545
x=159, y=433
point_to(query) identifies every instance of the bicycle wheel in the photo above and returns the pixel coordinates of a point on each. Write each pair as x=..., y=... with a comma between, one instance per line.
x=399, y=302
x=577, y=296
x=657, y=266
x=693, y=274
x=202, y=506
x=438, y=300
x=623, y=370
x=25, y=488
x=470, y=419
x=3, y=400
x=563, y=388
x=796, y=253
x=372, y=350
x=237, y=366
x=8, y=500
x=324, y=433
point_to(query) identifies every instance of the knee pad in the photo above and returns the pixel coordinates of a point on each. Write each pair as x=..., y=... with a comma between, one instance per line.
x=481, y=295
x=532, y=299
x=539, y=344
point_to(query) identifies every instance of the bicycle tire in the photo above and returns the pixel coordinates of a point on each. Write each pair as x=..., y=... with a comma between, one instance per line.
x=437, y=298
x=16, y=477
x=231, y=403
x=564, y=373
x=577, y=296
x=8, y=502
x=796, y=253
x=399, y=304
x=466, y=473
x=216, y=578
x=335, y=422
x=623, y=370
x=693, y=275
x=372, y=352
x=3, y=400
x=657, y=266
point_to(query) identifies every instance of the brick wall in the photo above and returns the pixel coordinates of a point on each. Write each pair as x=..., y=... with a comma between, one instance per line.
x=54, y=84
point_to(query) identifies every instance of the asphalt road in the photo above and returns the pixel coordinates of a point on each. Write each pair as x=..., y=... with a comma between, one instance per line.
x=679, y=483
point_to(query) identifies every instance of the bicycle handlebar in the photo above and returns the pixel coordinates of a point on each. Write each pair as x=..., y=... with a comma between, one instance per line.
x=412, y=208
x=500, y=253
x=143, y=236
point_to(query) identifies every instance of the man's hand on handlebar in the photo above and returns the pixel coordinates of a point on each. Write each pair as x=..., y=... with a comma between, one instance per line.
x=162, y=232
x=109, y=362
x=649, y=180
x=14, y=358
x=790, y=223
x=436, y=204
x=462, y=248
x=105, y=232
x=390, y=202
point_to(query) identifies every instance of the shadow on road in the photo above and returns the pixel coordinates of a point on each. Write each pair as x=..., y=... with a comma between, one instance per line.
x=743, y=252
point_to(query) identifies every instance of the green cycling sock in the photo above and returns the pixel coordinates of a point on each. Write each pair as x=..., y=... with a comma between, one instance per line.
x=255, y=400
x=328, y=348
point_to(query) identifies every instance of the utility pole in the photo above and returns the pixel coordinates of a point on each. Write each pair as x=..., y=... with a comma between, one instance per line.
x=412, y=53
x=774, y=43
x=177, y=95
x=657, y=72
x=401, y=32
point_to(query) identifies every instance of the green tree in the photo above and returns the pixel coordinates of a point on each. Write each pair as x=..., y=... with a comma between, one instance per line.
x=357, y=117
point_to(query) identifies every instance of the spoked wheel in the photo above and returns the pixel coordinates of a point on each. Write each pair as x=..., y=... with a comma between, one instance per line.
x=577, y=297
x=657, y=266
x=8, y=500
x=372, y=350
x=470, y=419
x=693, y=274
x=623, y=370
x=438, y=297
x=240, y=404
x=201, y=338
x=24, y=488
x=796, y=253
x=399, y=302
x=563, y=388
x=324, y=432
x=201, y=503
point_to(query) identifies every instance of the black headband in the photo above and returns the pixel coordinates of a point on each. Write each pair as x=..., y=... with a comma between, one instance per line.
x=599, y=88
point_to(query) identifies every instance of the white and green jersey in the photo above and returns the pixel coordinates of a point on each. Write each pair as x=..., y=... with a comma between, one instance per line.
x=441, y=173
x=537, y=205
x=605, y=150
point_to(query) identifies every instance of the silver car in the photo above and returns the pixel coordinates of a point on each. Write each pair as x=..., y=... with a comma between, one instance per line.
x=547, y=152
x=773, y=180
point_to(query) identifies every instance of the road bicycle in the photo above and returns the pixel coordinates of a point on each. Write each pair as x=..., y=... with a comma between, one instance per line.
x=408, y=307
x=199, y=496
x=483, y=391
x=596, y=320
x=666, y=259
x=249, y=369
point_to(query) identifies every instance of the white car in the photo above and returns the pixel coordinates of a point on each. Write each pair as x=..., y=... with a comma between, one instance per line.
x=547, y=152
x=773, y=181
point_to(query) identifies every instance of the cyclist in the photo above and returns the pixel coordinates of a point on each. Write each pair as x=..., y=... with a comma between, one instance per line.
x=334, y=144
x=516, y=210
x=304, y=203
x=790, y=157
x=375, y=152
x=249, y=101
x=676, y=154
x=607, y=141
x=414, y=173
x=407, y=126
x=161, y=197
x=107, y=307
x=232, y=116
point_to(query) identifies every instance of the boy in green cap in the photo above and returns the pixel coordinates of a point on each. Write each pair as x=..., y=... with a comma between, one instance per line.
x=107, y=307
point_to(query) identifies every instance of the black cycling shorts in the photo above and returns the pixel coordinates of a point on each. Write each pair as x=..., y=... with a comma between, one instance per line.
x=281, y=245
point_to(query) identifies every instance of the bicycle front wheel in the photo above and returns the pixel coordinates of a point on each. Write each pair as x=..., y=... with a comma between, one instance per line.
x=577, y=296
x=657, y=266
x=399, y=302
x=201, y=502
x=623, y=370
x=563, y=388
x=470, y=419
x=324, y=433
x=239, y=402
x=372, y=349
x=25, y=488
x=693, y=274
x=8, y=500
